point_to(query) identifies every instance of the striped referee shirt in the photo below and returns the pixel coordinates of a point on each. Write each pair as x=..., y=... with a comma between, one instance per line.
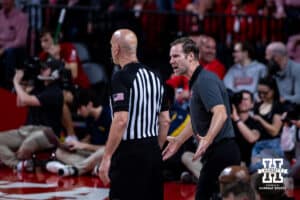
x=139, y=91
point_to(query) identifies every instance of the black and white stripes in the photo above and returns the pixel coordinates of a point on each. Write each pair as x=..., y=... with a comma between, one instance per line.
x=145, y=99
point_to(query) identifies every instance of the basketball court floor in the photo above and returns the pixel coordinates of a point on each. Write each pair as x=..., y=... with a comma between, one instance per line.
x=42, y=185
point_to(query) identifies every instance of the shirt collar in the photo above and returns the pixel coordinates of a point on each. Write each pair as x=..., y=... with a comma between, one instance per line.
x=283, y=73
x=130, y=64
x=195, y=75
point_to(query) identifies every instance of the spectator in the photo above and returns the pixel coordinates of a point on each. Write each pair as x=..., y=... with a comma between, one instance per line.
x=240, y=24
x=285, y=71
x=246, y=128
x=65, y=52
x=68, y=54
x=246, y=71
x=233, y=174
x=239, y=191
x=198, y=39
x=181, y=86
x=13, y=35
x=207, y=12
x=293, y=48
x=267, y=113
x=208, y=57
x=82, y=157
x=75, y=24
x=272, y=23
x=263, y=194
x=43, y=120
x=180, y=117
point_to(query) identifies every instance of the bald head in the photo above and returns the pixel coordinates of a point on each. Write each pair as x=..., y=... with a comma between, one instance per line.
x=232, y=174
x=126, y=40
x=208, y=49
x=276, y=49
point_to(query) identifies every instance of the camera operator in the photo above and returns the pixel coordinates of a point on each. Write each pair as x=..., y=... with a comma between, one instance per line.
x=67, y=53
x=43, y=120
x=246, y=129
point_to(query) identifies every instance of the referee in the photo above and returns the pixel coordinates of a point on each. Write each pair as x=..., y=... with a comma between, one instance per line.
x=132, y=159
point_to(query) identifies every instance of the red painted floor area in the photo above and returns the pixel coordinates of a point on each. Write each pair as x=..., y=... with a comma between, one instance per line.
x=43, y=185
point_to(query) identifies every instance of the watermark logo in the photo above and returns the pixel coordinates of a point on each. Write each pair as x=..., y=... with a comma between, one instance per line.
x=272, y=170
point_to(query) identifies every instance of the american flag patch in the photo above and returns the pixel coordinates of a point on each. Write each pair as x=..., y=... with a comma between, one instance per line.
x=118, y=97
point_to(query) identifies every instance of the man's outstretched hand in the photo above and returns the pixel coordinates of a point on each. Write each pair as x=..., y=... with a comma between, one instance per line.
x=172, y=147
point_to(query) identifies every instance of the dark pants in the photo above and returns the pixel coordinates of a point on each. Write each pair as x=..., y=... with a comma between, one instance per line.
x=136, y=171
x=219, y=156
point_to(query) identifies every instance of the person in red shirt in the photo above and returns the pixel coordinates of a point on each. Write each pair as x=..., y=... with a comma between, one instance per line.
x=240, y=23
x=181, y=87
x=208, y=58
x=68, y=54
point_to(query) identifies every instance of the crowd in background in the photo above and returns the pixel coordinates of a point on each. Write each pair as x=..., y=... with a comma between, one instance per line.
x=262, y=76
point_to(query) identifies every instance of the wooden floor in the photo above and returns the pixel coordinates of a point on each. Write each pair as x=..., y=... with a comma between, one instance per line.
x=46, y=186
x=43, y=185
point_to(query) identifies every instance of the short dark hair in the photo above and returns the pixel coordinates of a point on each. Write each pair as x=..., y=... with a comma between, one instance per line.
x=46, y=31
x=246, y=46
x=248, y=92
x=188, y=46
x=85, y=96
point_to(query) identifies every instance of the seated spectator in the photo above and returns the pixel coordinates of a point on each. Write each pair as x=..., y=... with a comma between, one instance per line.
x=65, y=52
x=77, y=158
x=13, y=35
x=182, y=163
x=232, y=174
x=240, y=23
x=271, y=24
x=246, y=128
x=285, y=71
x=188, y=168
x=267, y=113
x=293, y=48
x=246, y=71
x=68, y=54
x=263, y=194
x=76, y=21
x=209, y=14
x=43, y=120
x=208, y=58
x=180, y=84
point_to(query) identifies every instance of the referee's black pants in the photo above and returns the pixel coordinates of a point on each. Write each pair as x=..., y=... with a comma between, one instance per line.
x=136, y=171
x=219, y=156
